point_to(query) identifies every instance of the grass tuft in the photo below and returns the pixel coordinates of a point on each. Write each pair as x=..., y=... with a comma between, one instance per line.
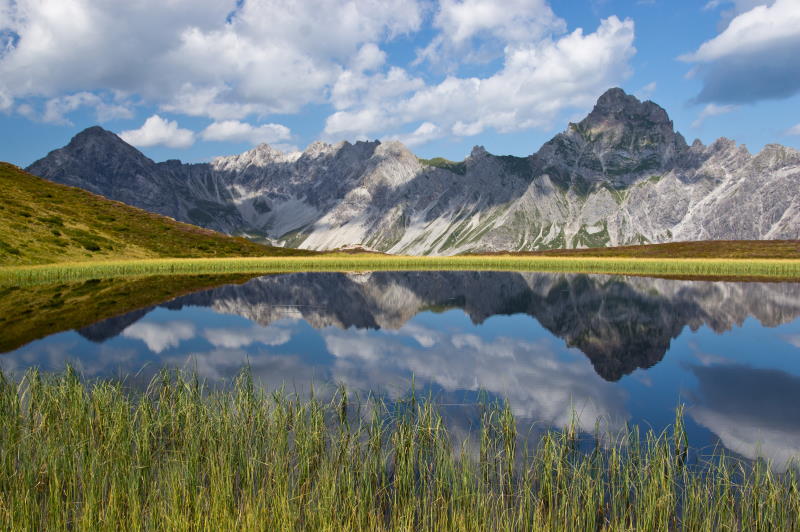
x=180, y=456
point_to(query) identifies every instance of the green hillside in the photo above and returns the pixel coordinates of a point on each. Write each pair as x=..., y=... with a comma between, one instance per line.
x=43, y=222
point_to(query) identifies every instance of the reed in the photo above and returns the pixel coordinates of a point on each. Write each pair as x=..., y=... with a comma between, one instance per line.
x=779, y=269
x=180, y=456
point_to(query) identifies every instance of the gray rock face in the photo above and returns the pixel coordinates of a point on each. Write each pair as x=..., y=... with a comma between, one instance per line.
x=620, y=176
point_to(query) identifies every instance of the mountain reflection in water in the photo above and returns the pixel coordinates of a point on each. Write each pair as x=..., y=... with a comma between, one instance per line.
x=583, y=355
x=620, y=324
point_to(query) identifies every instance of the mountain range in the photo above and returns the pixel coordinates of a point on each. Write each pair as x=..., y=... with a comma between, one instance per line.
x=620, y=176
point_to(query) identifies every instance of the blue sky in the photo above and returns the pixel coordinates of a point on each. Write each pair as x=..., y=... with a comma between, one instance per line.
x=194, y=79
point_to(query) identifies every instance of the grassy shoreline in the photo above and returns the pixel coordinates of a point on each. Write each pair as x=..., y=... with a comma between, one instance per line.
x=747, y=269
x=176, y=456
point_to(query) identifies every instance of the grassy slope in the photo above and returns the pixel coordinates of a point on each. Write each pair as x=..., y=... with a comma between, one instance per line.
x=44, y=222
x=705, y=249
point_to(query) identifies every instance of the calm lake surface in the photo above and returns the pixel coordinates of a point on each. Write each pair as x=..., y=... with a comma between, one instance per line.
x=609, y=349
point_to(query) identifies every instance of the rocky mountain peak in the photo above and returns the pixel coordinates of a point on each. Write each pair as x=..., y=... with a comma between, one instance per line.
x=478, y=152
x=616, y=106
x=775, y=156
x=95, y=159
x=621, y=140
x=96, y=141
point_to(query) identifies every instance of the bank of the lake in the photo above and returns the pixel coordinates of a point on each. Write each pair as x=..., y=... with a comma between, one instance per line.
x=747, y=269
x=103, y=456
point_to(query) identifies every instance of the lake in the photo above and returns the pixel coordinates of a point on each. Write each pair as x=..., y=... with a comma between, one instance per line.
x=605, y=351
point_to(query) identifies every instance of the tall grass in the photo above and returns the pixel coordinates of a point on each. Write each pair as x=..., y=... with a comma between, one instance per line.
x=749, y=268
x=180, y=457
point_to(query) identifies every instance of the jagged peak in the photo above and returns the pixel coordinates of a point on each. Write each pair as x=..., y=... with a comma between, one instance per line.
x=101, y=145
x=777, y=155
x=478, y=151
x=95, y=134
x=615, y=105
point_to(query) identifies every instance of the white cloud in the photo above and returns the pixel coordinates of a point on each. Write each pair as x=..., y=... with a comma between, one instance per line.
x=234, y=338
x=735, y=8
x=754, y=57
x=426, y=132
x=160, y=336
x=794, y=339
x=647, y=91
x=760, y=423
x=56, y=109
x=511, y=20
x=537, y=382
x=497, y=22
x=712, y=110
x=235, y=131
x=537, y=81
x=6, y=101
x=271, y=56
x=369, y=57
x=157, y=131
x=758, y=28
x=794, y=131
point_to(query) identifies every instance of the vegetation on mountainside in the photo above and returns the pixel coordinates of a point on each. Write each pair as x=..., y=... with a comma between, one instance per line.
x=459, y=168
x=705, y=249
x=44, y=222
x=179, y=456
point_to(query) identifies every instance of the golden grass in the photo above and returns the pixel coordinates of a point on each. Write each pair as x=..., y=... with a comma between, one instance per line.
x=749, y=269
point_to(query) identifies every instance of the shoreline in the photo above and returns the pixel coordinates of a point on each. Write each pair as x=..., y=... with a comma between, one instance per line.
x=687, y=268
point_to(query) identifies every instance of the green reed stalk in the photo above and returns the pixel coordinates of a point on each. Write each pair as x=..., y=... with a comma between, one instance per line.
x=181, y=456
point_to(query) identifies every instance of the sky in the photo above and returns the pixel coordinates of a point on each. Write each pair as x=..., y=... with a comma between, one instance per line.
x=197, y=79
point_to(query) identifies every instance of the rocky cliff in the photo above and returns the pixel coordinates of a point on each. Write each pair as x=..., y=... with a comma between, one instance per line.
x=620, y=176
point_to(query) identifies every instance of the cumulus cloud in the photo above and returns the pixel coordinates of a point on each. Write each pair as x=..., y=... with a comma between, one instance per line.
x=734, y=8
x=160, y=336
x=56, y=109
x=239, y=62
x=200, y=57
x=537, y=382
x=497, y=22
x=158, y=131
x=369, y=57
x=754, y=58
x=6, y=101
x=647, y=91
x=427, y=131
x=794, y=130
x=764, y=422
x=235, y=131
x=233, y=338
x=537, y=81
x=713, y=110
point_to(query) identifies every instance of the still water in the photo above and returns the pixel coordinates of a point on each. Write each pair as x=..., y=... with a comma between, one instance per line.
x=604, y=350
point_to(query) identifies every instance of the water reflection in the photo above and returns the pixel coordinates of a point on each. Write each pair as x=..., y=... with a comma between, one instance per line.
x=553, y=345
x=753, y=411
x=620, y=324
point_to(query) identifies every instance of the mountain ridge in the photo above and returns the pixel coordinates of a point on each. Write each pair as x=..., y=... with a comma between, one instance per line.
x=620, y=176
